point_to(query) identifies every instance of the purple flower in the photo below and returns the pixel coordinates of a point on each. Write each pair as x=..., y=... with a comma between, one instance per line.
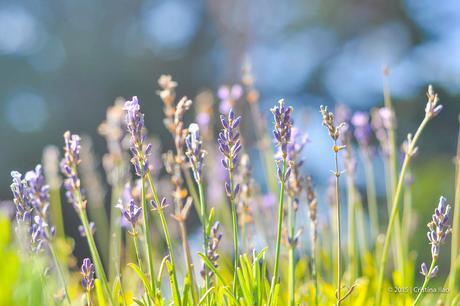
x=92, y=228
x=135, y=125
x=31, y=197
x=283, y=126
x=439, y=229
x=163, y=204
x=21, y=196
x=87, y=272
x=228, y=96
x=132, y=213
x=230, y=146
x=363, y=130
x=39, y=190
x=211, y=251
x=194, y=152
x=383, y=121
x=69, y=166
x=282, y=134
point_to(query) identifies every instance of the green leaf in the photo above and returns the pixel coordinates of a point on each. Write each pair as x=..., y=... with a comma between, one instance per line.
x=116, y=289
x=205, y=295
x=219, y=276
x=99, y=292
x=160, y=272
x=143, y=278
x=176, y=297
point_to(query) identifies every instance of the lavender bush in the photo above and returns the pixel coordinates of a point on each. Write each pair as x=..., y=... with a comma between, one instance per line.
x=201, y=203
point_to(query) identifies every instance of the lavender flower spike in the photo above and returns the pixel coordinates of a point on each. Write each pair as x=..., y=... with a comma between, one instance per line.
x=21, y=196
x=439, y=229
x=132, y=214
x=282, y=134
x=230, y=146
x=135, y=125
x=194, y=152
x=363, y=130
x=69, y=166
x=283, y=126
x=87, y=272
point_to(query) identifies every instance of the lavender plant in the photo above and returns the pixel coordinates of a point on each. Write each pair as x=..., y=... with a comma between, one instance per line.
x=282, y=134
x=235, y=272
x=230, y=146
x=439, y=230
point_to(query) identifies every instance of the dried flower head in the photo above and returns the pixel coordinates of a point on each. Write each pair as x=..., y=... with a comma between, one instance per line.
x=87, y=272
x=432, y=109
x=195, y=152
x=328, y=122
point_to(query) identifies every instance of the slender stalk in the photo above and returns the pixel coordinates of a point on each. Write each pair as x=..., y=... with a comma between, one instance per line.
x=315, y=271
x=188, y=259
x=93, y=249
x=454, y=253
x=234, y=226
x=56, y=212
x=166, y=232
x=291, y=220
x=205, y=228
x=115, y=235
x=351, y=199
x=192, y=189
x=279, y=231
x=337, y=199
x=60, y=273
x=371, y=194
x=393, y=165
x=136, y=248
x=148, y=238
x=425, y=282
x=395, y=208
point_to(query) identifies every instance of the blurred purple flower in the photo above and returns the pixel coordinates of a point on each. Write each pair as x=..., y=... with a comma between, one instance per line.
x=228, y=96
x=87, y=272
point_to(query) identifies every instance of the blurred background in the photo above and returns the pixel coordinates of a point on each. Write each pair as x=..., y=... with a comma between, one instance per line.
x=63, y=63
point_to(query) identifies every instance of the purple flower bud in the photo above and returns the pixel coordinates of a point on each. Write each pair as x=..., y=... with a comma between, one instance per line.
x=423, y=269
x=87, y=272
x=194, y=152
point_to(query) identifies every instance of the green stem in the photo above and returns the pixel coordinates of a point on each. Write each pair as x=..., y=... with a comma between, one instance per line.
x=291, y=220
x=371, y=194
x=192, y=189
x=93, y=249
x=205, y=228
x=136, y=248
x=351, y=199
x=425, y=282
x=395, y=208
x=166, y=233
x=279, y=232
x=235, y=227
x=393, y=165
x=56, y=212
x=314, y=271
x=454, y=253
x=148, y=239
x=115, y=235
x=59, y=271
x=188, y=260
x=337, y=199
